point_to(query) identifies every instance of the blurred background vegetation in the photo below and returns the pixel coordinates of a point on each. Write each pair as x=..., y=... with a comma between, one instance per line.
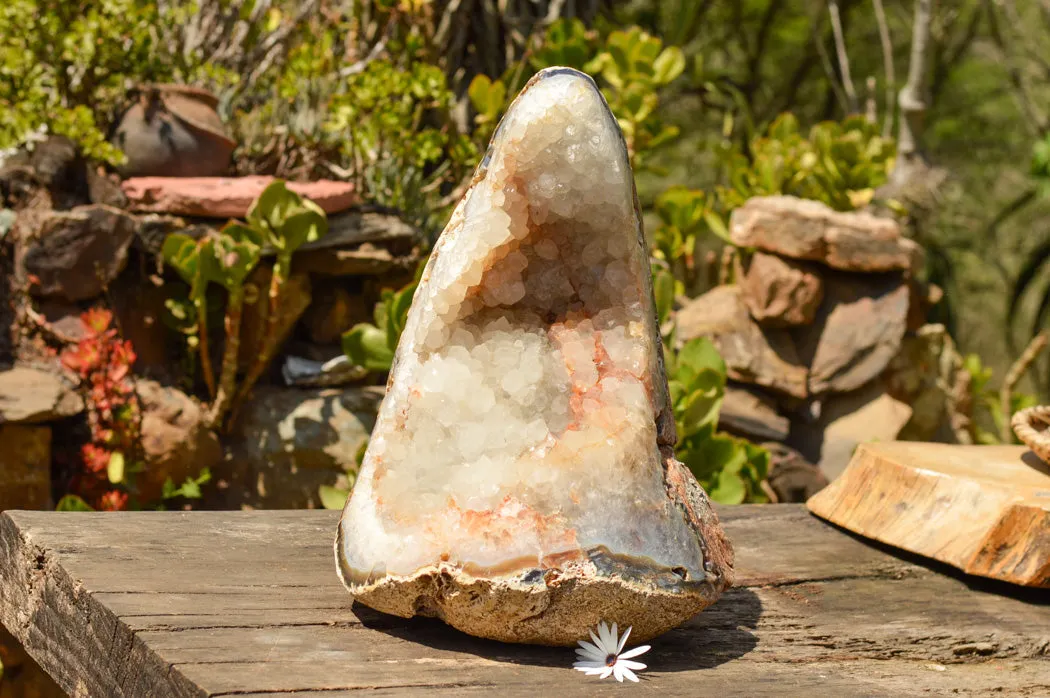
x=380, y=92
x=935, y=113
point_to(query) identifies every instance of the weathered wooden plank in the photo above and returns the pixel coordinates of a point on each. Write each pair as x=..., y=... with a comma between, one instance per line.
x=983, y=509
x=223, y=603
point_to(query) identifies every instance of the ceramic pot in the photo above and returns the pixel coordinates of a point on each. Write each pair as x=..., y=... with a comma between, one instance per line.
x=173, y=131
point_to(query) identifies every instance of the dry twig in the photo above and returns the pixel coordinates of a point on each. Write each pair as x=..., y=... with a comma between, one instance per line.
x=1016, y=372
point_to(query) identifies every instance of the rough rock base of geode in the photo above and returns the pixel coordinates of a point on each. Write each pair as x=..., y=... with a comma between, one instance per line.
x=557, y=606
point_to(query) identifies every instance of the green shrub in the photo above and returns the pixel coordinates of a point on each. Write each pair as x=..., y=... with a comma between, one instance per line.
x=730, y=469
x=64, y=67
x=630, y=66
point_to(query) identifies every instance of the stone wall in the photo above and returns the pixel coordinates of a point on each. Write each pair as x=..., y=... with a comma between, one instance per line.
x=72, y=238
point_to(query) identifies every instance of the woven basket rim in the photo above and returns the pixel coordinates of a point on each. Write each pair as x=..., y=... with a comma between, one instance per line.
x=1032, y=426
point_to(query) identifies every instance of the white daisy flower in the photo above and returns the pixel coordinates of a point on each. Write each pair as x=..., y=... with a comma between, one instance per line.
x=605, y=655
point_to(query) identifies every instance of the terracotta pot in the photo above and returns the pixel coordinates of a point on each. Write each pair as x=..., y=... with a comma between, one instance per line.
x=173, y=131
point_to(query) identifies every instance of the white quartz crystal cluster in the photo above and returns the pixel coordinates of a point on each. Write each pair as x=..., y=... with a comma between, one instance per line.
x=519, y=428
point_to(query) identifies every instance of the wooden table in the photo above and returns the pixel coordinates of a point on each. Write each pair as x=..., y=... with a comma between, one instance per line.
x=248, y=604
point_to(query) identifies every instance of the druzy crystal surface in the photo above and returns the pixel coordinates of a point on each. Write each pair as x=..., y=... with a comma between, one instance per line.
x=524, y=448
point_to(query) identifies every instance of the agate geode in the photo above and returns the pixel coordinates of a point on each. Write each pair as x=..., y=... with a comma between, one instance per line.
x=520, y=482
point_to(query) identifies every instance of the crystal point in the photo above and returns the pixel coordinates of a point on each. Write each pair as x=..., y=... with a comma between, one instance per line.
x=520, y=482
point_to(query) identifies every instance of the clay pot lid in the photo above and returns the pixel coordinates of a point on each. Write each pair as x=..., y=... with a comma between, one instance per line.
x=194, y=105
x=201, y=94
x=196, y=114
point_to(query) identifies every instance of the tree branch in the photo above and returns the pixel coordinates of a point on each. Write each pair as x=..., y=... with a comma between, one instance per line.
x=1036, y=121
x=887, y=67
x=1013, y=376
x=913, y=96
x=829, y=70
x=843, y=57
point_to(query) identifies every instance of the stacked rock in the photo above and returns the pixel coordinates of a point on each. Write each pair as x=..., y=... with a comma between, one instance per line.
x=823, y=303
x=73, y=238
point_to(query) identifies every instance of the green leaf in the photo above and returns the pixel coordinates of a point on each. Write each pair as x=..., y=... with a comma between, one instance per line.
x=243, y=234
x=180, y=253
x=699, y=410
x=190, y=489
x=332, y=497
x=397, y=314
x=728, y=489
x=72, y=502
x=663, y=293
x=275, y=204
x=696, y=356
x=115, y=469
x=300, y=228
x=366, y=345
x=668, y=65
x=715, y=224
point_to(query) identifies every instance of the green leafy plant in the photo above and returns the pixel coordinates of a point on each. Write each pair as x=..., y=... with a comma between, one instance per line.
x=335, y=496
x=192, y=260
x=236, y=252
x=686, y=215
x=372, y=346
x=630, y=66
x=838, y=163
x=189, y=489
x=1040, y=168
x=988, y=405
x=65, y=65
x=285, y=221
x=730, y=469
x=1035, y=263
x=398, y=141
x=72, y=502
x=634, y=66
x=279, y=218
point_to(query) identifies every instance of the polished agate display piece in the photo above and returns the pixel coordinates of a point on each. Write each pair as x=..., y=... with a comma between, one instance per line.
x=520, y=482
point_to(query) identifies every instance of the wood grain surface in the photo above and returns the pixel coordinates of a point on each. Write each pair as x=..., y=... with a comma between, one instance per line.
x=983, y=509
x=248, y=604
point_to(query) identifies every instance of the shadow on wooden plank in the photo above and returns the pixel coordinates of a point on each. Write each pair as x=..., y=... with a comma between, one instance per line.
x=718, y=635
x=1032, y=595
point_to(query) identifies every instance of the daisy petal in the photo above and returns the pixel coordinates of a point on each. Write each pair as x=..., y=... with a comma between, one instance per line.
x=590, y=650
x=609, y=646
x=641, y=649
x=623, y=640
x=605, y=673
x=630, y=674
x=612, y=638
x=618, y=672
x=588, y=665
x=598, y=641
x=637, y=666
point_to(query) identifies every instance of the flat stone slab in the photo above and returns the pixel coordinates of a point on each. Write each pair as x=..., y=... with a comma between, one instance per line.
x=31, y=396
x=857, y=331
x=804, y=229
x=225, y=197
x=247, y=603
